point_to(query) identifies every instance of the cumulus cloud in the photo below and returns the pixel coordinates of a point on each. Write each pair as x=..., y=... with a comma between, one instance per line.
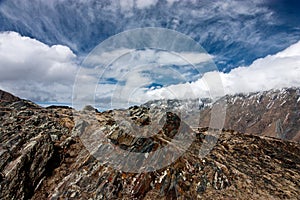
x=113, y=65
x=125, y=75
x=271, y=72
x=34, y=70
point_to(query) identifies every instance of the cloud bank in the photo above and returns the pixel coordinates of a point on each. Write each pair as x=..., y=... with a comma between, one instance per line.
x=271, y=72
x=34, y=70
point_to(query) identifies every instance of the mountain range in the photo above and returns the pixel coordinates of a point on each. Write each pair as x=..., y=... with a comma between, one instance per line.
x=273, y=113
x=57, y=153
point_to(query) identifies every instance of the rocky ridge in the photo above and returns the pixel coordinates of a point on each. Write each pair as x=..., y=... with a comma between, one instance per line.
x=43, y=156
x=5, y=96
x=274, y=113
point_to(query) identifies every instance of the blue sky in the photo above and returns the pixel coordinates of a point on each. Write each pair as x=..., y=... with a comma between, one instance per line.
x=48, y=40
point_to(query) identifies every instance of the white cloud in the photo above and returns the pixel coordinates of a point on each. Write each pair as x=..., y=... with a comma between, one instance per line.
x=106, y=57
x=126, y=5
x=172, y=1
x=150, y=55
x=183, y=58
x=141, y=4
x=126, y=74
x=207, y=86
x=34, y=70
x=272, y=72
x=122, y=60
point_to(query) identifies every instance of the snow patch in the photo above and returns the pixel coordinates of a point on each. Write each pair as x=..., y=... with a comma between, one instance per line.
x=270, y=105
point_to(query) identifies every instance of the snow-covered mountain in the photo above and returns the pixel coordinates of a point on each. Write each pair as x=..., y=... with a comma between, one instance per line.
x=274, y=113
x=188, y=104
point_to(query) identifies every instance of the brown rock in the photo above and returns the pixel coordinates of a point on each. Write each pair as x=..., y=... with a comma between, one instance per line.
x=5, y=96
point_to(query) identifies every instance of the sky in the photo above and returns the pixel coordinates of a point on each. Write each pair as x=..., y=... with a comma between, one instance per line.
x=249, y=45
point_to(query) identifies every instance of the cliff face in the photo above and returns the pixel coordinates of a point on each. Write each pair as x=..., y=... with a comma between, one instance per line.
x=44, y=155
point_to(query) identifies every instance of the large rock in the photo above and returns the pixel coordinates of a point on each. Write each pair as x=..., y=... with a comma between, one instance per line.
x=23, y=173
x=28, y=153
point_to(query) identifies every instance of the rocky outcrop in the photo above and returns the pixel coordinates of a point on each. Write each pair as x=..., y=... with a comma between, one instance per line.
x=43, y=156
x=5, y=96
x=27, y=147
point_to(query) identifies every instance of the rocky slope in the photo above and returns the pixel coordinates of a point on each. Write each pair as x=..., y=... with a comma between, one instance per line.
x=43, y=155
x=274, y=113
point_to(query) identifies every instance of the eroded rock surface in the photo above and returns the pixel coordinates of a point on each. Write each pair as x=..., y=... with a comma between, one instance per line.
x=28, y=152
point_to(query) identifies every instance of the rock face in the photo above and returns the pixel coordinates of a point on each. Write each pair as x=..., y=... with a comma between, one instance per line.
x=43, y=156
x=27, y=146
